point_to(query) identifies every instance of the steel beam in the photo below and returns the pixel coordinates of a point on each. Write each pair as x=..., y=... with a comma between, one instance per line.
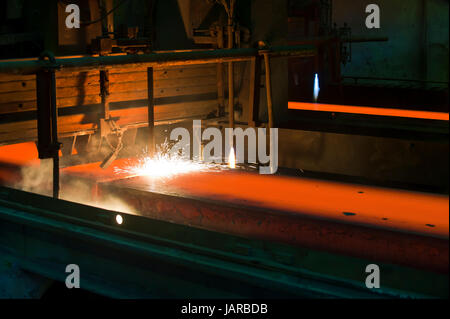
x=152, y=60
x=151, y=113
x=47, y=116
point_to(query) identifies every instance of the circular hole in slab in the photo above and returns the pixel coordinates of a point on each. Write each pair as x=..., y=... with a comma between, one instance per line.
x=348, y=214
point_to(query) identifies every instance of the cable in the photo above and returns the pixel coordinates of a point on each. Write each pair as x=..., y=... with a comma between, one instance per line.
x=103, y=17
x=86, y=23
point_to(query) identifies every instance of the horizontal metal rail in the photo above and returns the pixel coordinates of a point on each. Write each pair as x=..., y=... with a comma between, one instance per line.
x=152, y=60
x=356, y=78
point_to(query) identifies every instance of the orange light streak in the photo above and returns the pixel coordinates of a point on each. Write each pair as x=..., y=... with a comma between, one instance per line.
x=366, y=110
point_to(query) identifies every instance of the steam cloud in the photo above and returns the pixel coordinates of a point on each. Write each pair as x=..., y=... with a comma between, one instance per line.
x=38, y=179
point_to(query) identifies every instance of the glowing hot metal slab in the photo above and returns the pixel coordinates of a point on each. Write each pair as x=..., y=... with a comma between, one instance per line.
x=391, y=225
x=394, y=226
x=365, y=110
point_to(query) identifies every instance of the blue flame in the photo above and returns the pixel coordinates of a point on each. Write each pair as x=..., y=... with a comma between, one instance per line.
x=316, y=87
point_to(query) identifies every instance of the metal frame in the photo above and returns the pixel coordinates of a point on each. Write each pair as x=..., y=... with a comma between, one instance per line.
x=46, y=87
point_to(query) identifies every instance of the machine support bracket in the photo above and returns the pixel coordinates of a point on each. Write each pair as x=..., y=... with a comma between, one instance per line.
x=47, y=117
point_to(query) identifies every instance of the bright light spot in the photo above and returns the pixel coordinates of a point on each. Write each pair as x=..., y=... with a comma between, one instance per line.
x=119, y=219
x=162, y=166
x=316, y=87
x=167, y=165
x=232, y=159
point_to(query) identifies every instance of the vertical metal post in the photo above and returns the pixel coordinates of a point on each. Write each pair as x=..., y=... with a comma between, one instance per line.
x=151, y=113
x=56, y=146
x=44, y=118
x=231, y=94
x=268, y=89
x=47, y=118
x=220, y=90
x=230, y=76
x=254, y=91
x=220, y=95
x=109, y=18
x=104, y=92
x=424, y=53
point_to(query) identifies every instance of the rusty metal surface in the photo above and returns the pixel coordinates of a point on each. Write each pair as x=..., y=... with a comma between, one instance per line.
x=391, y=226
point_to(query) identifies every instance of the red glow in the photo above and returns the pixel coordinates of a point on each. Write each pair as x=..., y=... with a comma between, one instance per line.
x=19, y=154
x=381, y=207
x=372, y=206
x=368, y=111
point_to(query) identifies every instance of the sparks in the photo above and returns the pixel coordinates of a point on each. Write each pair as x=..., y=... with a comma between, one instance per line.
x=166, y=165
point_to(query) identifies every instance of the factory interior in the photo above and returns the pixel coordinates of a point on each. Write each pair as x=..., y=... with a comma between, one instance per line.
x=330, y=119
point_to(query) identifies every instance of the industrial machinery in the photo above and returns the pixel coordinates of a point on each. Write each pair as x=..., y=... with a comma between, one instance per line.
x=90, y=116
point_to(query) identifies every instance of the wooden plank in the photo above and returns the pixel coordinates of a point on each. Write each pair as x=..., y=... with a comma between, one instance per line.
x=189, y=70
x=17, y=94
x=67, y=79
x=116, y=87
x=13, y=107
x=79, y=81
x=26, y=130
x=12, y=86
x=16, y=77
x=26, y=101
x=71, y=78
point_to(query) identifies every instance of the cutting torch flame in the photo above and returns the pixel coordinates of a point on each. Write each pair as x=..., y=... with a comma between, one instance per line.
x=316, y=87
x=232, y=159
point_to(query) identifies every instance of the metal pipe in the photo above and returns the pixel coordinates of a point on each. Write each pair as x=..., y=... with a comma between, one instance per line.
x=153, y=59
x=109, y=18
x=230, y=76
x=323, y=39
x=220, y=91
x=220, y=84
x=55, y=146
x=254, y=89
x=366, y=39
x=356, y=78
x=151, y=113
x=47, y=116
x=268, y=89
x=104, y=92
x=231, y=94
